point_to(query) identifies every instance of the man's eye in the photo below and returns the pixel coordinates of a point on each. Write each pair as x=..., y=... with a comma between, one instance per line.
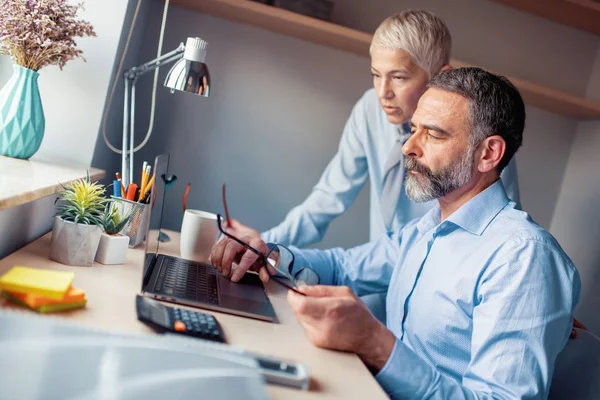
x=375, y=75
x=399, y=78
x=433, y=136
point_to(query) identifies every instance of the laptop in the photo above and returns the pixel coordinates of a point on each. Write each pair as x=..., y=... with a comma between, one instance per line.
x=171, y=278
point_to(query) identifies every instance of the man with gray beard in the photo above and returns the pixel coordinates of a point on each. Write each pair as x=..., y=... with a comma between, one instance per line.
x=480, y=298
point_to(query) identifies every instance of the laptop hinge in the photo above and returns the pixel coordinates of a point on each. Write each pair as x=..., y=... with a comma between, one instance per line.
x=149, y=270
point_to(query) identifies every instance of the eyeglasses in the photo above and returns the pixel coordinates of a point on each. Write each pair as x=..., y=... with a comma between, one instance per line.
x=279, y=261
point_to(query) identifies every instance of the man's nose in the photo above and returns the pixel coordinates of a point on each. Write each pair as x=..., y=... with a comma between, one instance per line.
x=412, y=147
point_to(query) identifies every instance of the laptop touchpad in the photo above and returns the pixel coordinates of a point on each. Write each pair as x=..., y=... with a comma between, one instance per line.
x=249, y=287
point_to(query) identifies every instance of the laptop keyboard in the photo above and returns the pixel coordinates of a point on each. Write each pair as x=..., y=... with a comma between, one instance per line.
x=188, y=280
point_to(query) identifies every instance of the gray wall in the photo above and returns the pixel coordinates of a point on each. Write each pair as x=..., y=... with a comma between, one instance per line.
x=272, y=122
x=278, y=106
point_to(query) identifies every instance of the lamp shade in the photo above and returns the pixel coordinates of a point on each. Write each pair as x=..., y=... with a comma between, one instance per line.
x=190, y=74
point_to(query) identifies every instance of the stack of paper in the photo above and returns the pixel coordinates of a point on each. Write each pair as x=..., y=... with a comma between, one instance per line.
x=41, y=290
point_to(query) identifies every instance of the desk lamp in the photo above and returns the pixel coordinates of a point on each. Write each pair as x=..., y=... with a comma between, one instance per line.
x=189, y=74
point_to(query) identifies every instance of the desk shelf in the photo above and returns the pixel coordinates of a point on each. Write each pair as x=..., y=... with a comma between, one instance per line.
x=357, y=42
x=579, y=14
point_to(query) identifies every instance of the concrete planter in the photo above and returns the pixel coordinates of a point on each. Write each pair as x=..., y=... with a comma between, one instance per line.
x=112, y=249
x=74, y=244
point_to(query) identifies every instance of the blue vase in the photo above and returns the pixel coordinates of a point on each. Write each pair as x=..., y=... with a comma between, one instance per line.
x=21, y=115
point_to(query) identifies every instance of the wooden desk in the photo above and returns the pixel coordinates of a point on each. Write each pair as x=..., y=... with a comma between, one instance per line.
x=111, y=291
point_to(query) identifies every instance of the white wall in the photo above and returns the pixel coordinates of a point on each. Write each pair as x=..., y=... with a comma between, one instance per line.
x=576, y=222
x=73, y=98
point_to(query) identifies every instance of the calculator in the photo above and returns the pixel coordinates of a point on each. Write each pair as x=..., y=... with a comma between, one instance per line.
x=178, y=320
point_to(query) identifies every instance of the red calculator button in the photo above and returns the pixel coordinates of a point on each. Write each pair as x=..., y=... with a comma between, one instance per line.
x=179, y=326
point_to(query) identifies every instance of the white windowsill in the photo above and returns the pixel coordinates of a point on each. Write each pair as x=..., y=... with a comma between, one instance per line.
x=23, y=181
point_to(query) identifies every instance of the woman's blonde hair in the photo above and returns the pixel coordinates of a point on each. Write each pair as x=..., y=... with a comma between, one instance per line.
x=420, y=33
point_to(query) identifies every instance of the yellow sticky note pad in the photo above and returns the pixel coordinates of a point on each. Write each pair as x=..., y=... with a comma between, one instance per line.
x=42, y=282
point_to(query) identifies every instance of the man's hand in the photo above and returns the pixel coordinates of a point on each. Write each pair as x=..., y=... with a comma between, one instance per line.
x=228, y=251
x=334, y=318
x=239, y=230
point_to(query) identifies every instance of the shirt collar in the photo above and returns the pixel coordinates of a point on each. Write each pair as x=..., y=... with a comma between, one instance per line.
x=475, y=215
x=403, y=129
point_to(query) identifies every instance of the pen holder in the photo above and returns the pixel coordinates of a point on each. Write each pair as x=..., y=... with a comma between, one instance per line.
x=137, y=226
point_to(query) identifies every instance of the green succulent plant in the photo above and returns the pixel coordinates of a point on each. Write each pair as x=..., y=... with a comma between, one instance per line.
x=113, y=221
x=81, y=202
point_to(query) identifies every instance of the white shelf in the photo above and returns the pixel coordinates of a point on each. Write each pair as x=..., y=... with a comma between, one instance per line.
x=580, y=14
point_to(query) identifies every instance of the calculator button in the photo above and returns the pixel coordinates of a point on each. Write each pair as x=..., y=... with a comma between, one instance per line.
x=179, y=326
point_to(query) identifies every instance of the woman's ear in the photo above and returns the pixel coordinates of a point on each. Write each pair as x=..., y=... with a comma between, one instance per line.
x=446, y=67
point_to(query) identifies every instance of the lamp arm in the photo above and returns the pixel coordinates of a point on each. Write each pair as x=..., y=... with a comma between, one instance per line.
x=135, y=72
x=131, y=76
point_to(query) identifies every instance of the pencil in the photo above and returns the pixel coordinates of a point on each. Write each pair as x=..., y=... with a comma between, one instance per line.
x=145, y=180
x=150, y=183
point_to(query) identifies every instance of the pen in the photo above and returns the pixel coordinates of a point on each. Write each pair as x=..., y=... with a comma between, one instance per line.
x=116, y=188
x=118, y=176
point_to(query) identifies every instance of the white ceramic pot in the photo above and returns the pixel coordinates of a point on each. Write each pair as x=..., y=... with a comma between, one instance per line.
x=112, y=249
x=74, y=244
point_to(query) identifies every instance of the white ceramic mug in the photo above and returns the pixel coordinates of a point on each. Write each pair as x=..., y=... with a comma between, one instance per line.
x=199, y=232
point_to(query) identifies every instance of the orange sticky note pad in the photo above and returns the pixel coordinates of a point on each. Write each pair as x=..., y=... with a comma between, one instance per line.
x=34, y=300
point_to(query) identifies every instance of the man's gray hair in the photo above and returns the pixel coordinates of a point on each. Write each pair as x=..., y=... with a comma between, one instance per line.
x=420, y=33
x=496, y=106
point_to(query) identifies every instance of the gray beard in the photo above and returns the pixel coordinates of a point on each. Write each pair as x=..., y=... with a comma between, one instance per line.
x=431, y=185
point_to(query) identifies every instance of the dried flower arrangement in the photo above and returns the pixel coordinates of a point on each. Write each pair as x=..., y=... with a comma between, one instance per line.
x=37, y=33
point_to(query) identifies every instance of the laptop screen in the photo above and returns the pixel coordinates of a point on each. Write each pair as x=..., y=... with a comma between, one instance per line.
x=157, y=202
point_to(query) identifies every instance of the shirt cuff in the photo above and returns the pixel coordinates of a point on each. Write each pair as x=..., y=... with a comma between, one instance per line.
x=314, y=259
x=405, y=374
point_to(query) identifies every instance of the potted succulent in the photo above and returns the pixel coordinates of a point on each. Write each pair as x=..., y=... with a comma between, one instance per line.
x=113, y=245
x=77, y=224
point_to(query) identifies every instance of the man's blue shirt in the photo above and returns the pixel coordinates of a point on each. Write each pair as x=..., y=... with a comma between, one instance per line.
x=480, y=304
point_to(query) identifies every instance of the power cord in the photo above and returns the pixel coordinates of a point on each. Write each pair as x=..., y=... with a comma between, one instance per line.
x=118, y=74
